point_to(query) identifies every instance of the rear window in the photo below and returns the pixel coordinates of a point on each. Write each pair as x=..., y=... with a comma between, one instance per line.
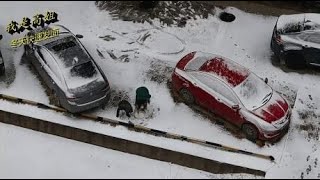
x=198, y=60
x=63, y=46
x=85, y=70
x=68, y=52
x=197, y=63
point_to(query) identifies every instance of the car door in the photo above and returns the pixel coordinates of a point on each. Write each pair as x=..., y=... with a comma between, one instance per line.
x=49, y=69
x=39, y=62
x=222, y=98
x=200, y=92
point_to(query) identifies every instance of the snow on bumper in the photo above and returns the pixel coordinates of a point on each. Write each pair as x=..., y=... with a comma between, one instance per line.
x=277, y=128
x=75, y=108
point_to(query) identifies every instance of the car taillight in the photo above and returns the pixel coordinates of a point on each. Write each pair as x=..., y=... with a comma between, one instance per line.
x=278, y=39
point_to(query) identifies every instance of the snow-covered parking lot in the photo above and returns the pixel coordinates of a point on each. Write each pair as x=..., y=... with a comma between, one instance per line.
x=149, y=62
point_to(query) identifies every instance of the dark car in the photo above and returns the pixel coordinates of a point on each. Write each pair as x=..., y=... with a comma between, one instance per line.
x=2, y=70
x=296, y=40
x=72, y=76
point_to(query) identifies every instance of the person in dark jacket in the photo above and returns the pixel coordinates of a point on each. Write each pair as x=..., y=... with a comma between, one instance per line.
x=124, y=105
x=142, y=99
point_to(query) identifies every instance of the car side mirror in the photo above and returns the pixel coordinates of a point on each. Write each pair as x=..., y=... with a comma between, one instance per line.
x=236, y=107
x=79, y=36
x=266, y=80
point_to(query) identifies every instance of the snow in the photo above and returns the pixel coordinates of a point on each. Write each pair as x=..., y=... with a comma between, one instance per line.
x=285, y=20
x=252, y=92
x=46, y=156
x=296, y=42
x=147, y=38
x=299, y=22
x=198, y=60
x=246, y=41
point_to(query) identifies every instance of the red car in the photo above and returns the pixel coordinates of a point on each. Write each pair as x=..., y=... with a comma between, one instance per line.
x=233, y=92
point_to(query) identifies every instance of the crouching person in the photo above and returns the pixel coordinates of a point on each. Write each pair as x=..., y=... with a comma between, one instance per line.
x=125, y=106
x=142, y=99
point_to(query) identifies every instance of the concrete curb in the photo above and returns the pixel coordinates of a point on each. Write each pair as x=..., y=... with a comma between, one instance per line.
x=124, y=145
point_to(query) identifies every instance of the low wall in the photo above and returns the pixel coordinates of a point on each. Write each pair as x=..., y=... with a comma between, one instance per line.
x=124, y=145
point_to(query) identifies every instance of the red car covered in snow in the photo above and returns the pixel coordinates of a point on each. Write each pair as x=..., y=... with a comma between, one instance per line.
x=233, y=92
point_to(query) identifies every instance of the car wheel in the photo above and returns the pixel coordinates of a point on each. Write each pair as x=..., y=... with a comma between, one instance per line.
x=295, y=60
x=187, y=96
x=250, y=131
x=275, y=60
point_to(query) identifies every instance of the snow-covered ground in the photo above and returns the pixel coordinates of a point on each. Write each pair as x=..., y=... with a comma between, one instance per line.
x=46, y=156
x=246, y=41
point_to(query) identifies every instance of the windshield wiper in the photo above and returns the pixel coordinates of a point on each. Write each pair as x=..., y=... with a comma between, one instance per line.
x=263, y=100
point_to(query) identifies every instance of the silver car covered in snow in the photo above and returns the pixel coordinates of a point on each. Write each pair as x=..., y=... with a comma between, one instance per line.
x=74, y=79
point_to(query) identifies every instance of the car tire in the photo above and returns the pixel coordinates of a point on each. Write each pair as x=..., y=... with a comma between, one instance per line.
x=294, y=60
x=275, y=60
x=186, y=96
x=250, y=131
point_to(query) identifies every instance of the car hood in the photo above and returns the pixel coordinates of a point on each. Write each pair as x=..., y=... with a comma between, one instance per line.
x=275, y=109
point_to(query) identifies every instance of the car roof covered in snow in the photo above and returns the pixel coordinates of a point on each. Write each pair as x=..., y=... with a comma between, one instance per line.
x=225, y=69
x=65, y=47
x=298, y=21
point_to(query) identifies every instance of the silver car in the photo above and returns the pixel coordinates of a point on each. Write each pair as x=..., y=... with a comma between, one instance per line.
x=74, y=79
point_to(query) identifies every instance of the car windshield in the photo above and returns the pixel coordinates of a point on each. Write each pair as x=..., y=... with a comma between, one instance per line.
x=291, y=28
x=253, y=92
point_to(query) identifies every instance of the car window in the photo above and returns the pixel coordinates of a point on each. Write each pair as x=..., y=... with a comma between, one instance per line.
x=53, y=66
x=63, y=46
x=291, y=28
x=310, y=25
x=216, y=85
